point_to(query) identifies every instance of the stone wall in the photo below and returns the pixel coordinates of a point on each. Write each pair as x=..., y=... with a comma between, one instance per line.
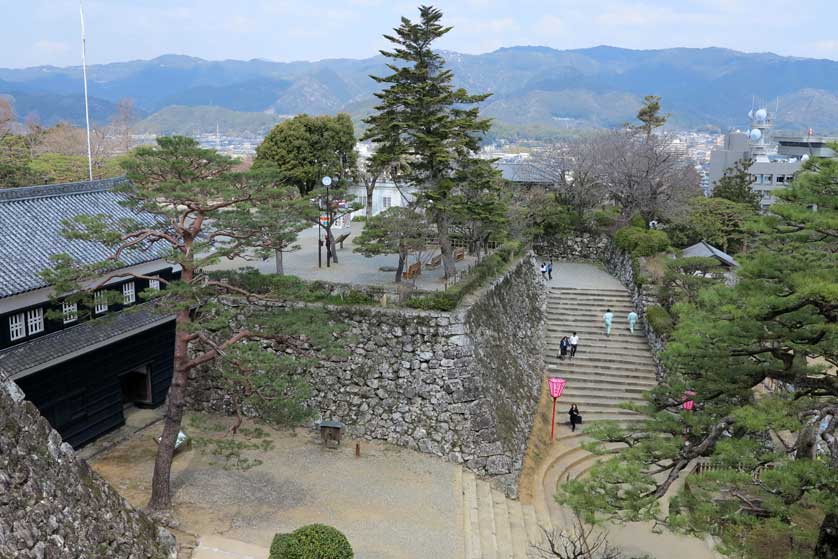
x=581, y=247
x=52, y=505
x=461, y=385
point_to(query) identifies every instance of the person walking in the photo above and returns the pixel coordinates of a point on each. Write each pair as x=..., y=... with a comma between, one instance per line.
x=573, y=341
x=632, y=318
x=544, y=270
x=608, y=318
x=563, y=347
x=575, y=418
x=550, y=270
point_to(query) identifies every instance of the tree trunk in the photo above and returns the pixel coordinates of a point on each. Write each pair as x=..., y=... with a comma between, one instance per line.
x=370, y=189
x=448, y=262
x=400, y=266
x=334, y=247
x=279, y=267
x=161, y=499
x=328, y=244
x=827, y=547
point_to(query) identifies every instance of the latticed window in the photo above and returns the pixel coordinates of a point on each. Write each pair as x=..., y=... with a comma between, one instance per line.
x=35, y=318
x=154, y=284
x=100, y=302
x=129, y=294
x=17, y=327
x=71, y=312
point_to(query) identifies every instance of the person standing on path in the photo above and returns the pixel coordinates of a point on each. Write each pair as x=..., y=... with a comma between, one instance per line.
x=632, y=318
x=563, y=347
x=608, y=318
x=544, y=270
x=550, y=270
x=574, y=416
x=574, y=341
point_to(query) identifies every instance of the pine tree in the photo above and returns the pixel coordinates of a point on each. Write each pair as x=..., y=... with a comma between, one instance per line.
x=192, y=207
x=395, y=230
x=760, y=358
x=421, y=116
x=735, y=185
x=649, y=115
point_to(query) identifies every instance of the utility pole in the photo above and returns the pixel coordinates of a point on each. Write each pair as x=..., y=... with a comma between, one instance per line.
x=86, y=105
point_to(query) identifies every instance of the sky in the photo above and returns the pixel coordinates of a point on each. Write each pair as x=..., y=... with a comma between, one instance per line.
x=40, y=32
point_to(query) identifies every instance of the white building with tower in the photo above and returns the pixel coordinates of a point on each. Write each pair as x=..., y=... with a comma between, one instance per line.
x=776, y=158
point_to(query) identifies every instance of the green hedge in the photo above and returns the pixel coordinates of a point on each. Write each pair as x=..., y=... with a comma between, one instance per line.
x=659, y=320
x=290, y=288
x=315, y=541
x=488, y=268
x=638, y=241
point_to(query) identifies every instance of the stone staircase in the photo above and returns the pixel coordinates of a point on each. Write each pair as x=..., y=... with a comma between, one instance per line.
x=497, y=527
x=607, y=371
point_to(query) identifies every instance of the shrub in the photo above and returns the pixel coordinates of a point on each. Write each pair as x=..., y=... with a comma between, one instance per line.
x=359, y=218
x=641, y=242
x=659, y=320
x=315, y=541
x=279, y=546
x=438, y=301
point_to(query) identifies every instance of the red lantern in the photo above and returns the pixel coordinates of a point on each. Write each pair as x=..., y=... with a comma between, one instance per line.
x=689, y=403
x=556, y=388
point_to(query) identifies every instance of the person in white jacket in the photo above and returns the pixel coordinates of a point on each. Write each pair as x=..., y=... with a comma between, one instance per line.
x=608, y=318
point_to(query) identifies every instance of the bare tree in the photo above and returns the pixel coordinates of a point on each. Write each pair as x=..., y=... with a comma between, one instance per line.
x=580, y=542
x=7, y=118
x=644, y=175
x=574, y=171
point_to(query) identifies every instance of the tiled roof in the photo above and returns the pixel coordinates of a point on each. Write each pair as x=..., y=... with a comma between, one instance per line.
x=707, y=250
x=86, y=336
x=521, y=171
x=30, y=229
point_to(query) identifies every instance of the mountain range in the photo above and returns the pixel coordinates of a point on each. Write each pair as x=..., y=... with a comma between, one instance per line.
x=535, y=90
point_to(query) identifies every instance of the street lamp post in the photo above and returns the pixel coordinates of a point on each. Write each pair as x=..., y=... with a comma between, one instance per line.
x=325, y=181
x=556, y=388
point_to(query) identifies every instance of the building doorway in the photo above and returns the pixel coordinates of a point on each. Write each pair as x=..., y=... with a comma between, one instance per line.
x=136, y=386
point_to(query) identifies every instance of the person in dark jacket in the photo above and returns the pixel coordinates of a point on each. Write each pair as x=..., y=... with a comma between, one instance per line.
x=564, y=346
x=575, y=417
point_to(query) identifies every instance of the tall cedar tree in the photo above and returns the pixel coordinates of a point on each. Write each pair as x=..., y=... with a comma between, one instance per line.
x=422, y=117
x=200, y=213
x=395, y=230
x=775, y=451
x=736, y=183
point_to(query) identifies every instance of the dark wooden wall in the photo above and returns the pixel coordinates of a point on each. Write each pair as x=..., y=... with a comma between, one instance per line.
x=82, y=397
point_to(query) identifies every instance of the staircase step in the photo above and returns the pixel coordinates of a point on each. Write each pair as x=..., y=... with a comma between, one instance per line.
x=471, y=516
x=517, y=527
x=602, y=358
x=590, y=397
x=503, y=533
x=486, y=519
x=534, y=533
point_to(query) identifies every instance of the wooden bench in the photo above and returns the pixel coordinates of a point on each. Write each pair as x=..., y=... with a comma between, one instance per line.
x=434, y=262
x=413, y=270
x=339, y=240
x=459, y=254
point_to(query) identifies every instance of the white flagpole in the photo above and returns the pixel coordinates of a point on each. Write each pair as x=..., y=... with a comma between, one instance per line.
x=86, y=107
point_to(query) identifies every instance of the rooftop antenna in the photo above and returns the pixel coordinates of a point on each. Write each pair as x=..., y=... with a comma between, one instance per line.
x=86, y=105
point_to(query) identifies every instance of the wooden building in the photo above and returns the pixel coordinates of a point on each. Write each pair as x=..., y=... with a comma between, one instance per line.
x=79, y=368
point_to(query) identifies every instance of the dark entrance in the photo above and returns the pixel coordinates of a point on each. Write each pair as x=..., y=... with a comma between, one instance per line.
x=136, y=386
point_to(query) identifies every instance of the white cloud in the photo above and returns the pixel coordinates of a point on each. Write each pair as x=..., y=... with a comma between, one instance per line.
x=548, y=25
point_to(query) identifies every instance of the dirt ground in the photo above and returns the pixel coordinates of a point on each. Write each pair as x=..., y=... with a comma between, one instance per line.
x=391, y=502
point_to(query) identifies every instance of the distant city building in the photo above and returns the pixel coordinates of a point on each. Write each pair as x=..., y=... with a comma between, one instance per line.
x=775, y=158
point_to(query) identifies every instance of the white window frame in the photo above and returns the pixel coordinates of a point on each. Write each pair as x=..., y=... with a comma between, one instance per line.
x=100, y=301
x=387, y=202
x=129, y=293
x=154, y=283
x=17, y=326
x=35, y=320
x=70, y=311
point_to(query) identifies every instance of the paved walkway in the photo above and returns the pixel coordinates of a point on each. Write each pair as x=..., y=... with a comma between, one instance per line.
x=354, y=268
